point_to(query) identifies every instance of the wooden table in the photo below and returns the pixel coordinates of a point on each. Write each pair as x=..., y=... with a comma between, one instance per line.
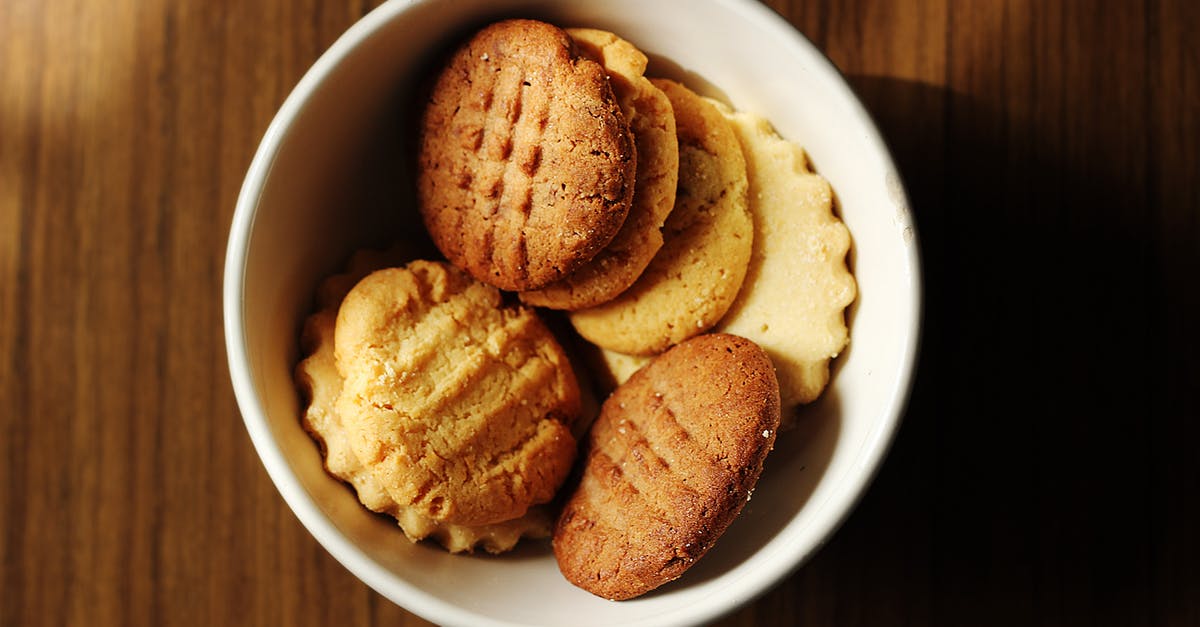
x=1048, y=471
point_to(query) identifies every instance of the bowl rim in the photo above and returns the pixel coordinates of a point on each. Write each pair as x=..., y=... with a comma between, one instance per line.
x=843, y=501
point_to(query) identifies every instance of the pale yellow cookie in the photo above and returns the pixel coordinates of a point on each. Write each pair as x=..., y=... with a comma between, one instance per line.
x=459, y=406
x=610, y=369
x=652, y=122
x=321, y=383
x=798, y=285
x=694, y=278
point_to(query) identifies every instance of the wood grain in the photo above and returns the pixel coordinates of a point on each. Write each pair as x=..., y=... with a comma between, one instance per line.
x=1047, y=469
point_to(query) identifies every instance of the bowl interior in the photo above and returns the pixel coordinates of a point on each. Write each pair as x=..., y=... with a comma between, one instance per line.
x=329, y=179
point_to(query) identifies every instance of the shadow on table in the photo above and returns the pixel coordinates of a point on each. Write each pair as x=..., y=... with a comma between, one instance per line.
x=1047, y=468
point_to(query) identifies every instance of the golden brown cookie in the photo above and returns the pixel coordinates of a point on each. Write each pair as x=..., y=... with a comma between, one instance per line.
x=460, y=407
x=670, y=462
x=797, y=285
x=652, y=121
x=526, y=164
x=318, y=379
x=321, y=384
x=695, y=276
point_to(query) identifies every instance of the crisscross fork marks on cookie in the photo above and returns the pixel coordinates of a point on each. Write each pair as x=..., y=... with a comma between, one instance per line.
x=652, y=122
x=431, y=360
x=689, y=463
x=668, y=491
x=503, y=190
x=670, y=462
x=320, y=382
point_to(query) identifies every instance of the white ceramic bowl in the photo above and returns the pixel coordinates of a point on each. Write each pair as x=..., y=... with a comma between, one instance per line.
x=325, y=181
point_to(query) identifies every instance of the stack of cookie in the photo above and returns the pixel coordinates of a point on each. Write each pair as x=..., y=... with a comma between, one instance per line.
x=686, y=241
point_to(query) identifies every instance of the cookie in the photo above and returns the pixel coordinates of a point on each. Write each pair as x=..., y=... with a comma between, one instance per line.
x=459, y=407
x=526, y=165
x=797, y=285
x=652, y=122
x=671, y=461
x=610, y=369
x=321, y=384
x=695, y=276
